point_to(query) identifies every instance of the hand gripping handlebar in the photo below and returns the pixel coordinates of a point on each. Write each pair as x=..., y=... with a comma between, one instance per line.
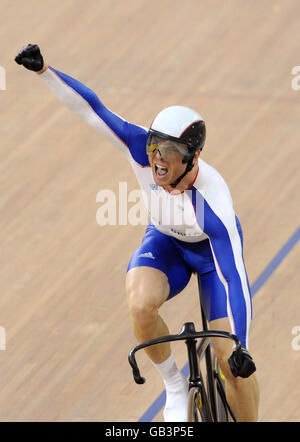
x=240, y=361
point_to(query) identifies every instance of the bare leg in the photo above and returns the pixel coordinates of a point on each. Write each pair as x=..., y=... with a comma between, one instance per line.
x=147, y=289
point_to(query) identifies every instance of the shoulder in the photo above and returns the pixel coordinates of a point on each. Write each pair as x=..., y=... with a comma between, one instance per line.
x=212, y=185
x=216, y=200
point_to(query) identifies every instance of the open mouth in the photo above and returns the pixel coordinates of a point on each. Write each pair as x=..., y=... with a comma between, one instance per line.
x=160, y=171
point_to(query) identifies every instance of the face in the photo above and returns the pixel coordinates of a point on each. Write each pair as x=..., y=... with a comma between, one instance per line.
x=166, y=161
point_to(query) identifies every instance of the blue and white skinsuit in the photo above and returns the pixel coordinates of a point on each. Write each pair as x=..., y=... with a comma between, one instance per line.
x=193, y=231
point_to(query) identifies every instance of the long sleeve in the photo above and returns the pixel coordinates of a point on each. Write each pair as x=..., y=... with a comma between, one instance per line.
x=84, y=102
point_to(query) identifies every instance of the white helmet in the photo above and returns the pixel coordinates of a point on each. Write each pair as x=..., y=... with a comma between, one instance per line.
x=180, y=124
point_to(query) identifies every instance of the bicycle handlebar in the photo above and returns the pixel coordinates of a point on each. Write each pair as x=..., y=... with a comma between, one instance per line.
x=187, y=333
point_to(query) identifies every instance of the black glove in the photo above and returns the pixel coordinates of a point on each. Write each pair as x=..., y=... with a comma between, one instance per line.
x=30, y=57
x=241, y=363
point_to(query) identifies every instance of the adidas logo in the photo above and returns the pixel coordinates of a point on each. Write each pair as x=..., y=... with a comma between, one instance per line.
x=146, y=255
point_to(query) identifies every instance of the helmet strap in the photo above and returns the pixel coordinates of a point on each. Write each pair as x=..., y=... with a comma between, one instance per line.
x=189, y=167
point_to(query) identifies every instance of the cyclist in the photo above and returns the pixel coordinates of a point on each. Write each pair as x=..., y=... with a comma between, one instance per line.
x=193, y=228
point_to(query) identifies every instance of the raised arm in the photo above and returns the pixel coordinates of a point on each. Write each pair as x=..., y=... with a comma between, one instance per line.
x=84, y=102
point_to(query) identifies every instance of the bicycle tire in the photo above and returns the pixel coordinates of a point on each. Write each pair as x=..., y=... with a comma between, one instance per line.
x=221, y=406
x=218, y=385
x=224, y=411
x=197, y=406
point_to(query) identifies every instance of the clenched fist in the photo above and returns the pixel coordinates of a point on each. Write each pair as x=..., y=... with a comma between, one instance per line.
x=30, y=57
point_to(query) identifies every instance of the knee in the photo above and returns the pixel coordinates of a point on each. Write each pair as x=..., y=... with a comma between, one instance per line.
x=144, y=297
x=141, y=309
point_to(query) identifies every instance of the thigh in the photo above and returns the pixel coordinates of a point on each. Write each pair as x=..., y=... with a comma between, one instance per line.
x=215, y=305
x=158, y=252
x=214, y=296
x=146, y=287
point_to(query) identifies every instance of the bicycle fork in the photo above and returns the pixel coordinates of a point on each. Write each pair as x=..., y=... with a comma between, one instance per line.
x=195, y=379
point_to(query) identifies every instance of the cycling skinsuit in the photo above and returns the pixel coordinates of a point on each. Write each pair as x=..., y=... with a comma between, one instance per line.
x=193, y=231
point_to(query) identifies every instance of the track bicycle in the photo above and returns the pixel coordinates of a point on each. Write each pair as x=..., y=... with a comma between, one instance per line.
x=206, y=399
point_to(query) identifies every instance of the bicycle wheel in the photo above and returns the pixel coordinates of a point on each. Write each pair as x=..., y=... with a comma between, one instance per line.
x=220, y=392
x=216, y=387
x=197, y=406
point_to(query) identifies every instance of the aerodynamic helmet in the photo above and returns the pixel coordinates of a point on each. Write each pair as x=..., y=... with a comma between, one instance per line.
x=182, y=125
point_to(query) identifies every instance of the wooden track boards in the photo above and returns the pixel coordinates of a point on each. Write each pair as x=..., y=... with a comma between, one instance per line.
x=62, y=275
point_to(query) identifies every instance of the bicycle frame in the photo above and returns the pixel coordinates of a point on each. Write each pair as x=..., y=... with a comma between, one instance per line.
x=208, y=360
x=204, y=347
x=190, y=336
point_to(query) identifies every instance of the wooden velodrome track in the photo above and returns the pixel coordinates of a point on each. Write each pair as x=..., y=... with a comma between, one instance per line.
x=62, y=300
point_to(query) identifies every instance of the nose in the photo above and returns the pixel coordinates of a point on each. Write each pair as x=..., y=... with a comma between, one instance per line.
x=159, y=155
